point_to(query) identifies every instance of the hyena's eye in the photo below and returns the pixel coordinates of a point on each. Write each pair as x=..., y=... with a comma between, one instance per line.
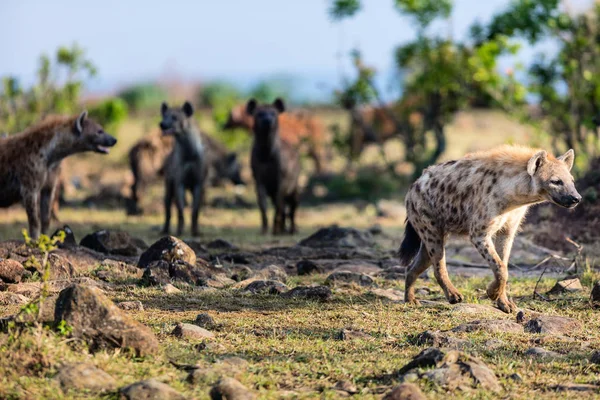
x=556, y=182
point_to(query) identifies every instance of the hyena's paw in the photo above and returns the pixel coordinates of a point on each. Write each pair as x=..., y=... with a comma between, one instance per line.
x=455, y=297
x=412, y=300
x=506, y=305
x=493, y=291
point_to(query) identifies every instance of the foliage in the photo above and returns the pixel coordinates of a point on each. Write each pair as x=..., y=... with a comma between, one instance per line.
x=57, y=90
x=143, y=97
x=110, y=113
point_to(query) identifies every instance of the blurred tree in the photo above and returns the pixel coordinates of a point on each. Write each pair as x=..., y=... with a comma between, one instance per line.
x=110, y=113
x=57, y=90
x=143, y=97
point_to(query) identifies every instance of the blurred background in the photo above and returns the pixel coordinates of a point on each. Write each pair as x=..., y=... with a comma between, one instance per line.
x=380, y=90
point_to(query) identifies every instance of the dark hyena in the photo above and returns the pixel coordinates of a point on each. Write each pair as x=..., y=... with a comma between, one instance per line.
x=275, y=166
x=185, y=167
x=486, y=196
x=30, y=163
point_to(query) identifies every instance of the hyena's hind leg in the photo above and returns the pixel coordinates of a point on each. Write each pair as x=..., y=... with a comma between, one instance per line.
x=419, y=264
x=435, y=245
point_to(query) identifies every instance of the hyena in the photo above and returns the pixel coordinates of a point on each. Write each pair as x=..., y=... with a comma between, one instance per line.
x=30, y=163
x=275, y=166
x=486, y=196
x=185, y=167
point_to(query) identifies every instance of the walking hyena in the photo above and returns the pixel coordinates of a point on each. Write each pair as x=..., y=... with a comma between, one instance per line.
x=275, y=166
x=30, y=163
x=486, y=196
x=185, y=167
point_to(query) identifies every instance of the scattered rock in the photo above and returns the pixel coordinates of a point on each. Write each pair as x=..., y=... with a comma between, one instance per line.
x=335, y=236
x=345, y=386
x=205, y=321
x=493, y=344
x=349, y=334
x=273, y=272
x=347, y=277
x=114, y=242
x=595, y=296
x=169, y=249
x=194, y=332
x=69, y=242
x=241, y=273
x=441, y=339
x=8, y=299
x=553, y=325
x=193, y=274
x=60, y=267
x=135, y=305
x=575, y=387
x=320, y=293
x=595, y=358
x=83, y=376
x=230, y=389
x=539, y=352
x=99, y=322
x=566, y=286
x=470, y=308
x=307, y=267
x=262, y=287
x=157, y=273
x=149, y=390
x=233, y=363
x=12, y=271
x=429, y=357
x=218, y=281
x=405, y=391
x=375, y=230
x=221, y=244
x=515, y=377
x=170, y=289
x=490, y=325
x=390, y=294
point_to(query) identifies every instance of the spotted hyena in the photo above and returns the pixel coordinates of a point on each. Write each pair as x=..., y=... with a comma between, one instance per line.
x=30, y=163
x=486, y=196
x=186, y=166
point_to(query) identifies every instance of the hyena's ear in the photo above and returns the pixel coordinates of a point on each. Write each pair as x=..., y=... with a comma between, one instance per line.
x=279, y=105
x=188, y=109
x=251, y=106
x=568, y=158
x=163, y=108
x=79, y=122
x=536, y=162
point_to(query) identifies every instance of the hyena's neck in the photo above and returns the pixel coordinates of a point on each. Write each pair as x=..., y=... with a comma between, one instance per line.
x=190, y=142
x=57, y=145
x=521, y=190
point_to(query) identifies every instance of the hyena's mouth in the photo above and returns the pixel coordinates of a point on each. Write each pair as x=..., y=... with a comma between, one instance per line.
x=168, y=131
x=102, y=149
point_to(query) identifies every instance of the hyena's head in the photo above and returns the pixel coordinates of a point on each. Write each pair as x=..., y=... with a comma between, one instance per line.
x=233, y=169
x=90, y=136
x=176, y=121
x=553, y=178
x=266, y=118
x=238, y=117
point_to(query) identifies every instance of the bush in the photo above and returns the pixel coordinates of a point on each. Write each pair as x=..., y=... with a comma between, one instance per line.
x=143, y=97
x=110, y=114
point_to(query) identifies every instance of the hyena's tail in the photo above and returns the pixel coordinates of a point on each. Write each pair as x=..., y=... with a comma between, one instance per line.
x=410, y=245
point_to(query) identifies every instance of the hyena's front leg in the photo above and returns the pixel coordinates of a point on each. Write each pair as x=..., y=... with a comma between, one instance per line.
x=261, y=197
x=279, y=218
x=46, y=203
x=180, y=204
x=31, y=202
x=198, y=194
x=497, y=289
x=168, y=202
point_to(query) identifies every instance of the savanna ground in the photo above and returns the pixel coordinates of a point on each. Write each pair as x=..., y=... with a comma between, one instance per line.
x=292, y=346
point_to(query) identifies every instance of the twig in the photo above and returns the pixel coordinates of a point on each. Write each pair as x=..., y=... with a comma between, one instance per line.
x=535, y=292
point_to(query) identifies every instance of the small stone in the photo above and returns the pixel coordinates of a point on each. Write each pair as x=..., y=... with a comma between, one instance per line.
x=345, y=386
x=595, y=296
x=169, y=249
x=442, y=340
x=273, y=273
x=390, y=294
x=515, y=377
x=595, y=358
x=490, y=325
x=189, y=331
x=319, y=293
x=230, y=389
x=85, y=377
x=493, y=344
x=429, y=357
x=205, y=321
x=539, y=352
x=170, y=289
x=12, y=271
x=405, y=391
x=576, y=387
x=262, y=287
x=552, y=325
x=566, y=286
x=157, y=273
x=69, y=242
x=150, y=389
x=347, y=277
x=307, y=267
x=131, y=305
x=241, y=273
x=349, y=334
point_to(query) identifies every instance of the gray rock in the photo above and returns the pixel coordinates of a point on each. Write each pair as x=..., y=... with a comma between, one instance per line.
x=273, y=273
x=193, y=332
x=490, y=325
x=552, y=325
x=442, y=340
x=150, y=389
x=335, y=236
x=345, y=386
x=390, y=294
x=349, y=334
x=595, y=295
x=307, y=267
x=319, y=293
x=429, y=357
x=131, y=305
x=169, y=249
x=347, y=278
x=541, y=353
x=114, y=242
x=12, y=271
x=205, y=321
x=230, y=389
x=595, y=357
x=566, y=286
x=405, y=391
x=83, y=376
x=263, y=287
x=576, y=387
x=170, y=289
x=157, y=273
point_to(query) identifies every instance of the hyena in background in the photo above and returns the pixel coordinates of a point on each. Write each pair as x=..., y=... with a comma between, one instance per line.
x=185, y=167
x=486, y=196
x=275, y=166
x=30, y=163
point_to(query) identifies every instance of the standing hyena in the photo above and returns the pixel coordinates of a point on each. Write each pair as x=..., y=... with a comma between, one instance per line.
x=486, y=196
x=30, y=163
x=185, y=168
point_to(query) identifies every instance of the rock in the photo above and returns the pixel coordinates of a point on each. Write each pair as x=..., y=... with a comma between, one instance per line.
x=595, y=358
x=320, y=293
x=469, y=308
x=595, y=296
x=69, y=242
x=441, y=339
x=8, y=299
x=490, y=325
x=60, y=267
x=218, y=281
x=221, y=244
x=335, y=236
x=405, y=391
x=566, y=286
x=515, y=377
x=12, y=271
x=157, y=273
x=233, y=363
x=375, y=230
x=345, y=386
x=194, y=332
x=575, y=387
x=114, y=242
x=170, y=289
x=230, y=389
x=307, y=267
x=241, y=273
x=553, y=325
x=539, y=352
x=205, y=321
x=270, y=287
x=131, y=305
x=169, y=249
x=83, y=376
x=349, y=334
x=347, y=277
x=390, y=294
x=493, y=344
x=273, y=272
x=193, y=274
x=429, y=357
x=99, y=322
x=150, y=389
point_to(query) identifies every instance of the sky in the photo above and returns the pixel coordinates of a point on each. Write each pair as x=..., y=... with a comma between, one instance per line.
x=242, y=41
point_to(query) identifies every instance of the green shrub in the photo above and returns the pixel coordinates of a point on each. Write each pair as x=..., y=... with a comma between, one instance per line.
x=110, y=114
x=143, y=97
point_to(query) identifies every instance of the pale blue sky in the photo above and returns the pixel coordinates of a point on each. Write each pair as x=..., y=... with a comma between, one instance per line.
x=134, y=40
